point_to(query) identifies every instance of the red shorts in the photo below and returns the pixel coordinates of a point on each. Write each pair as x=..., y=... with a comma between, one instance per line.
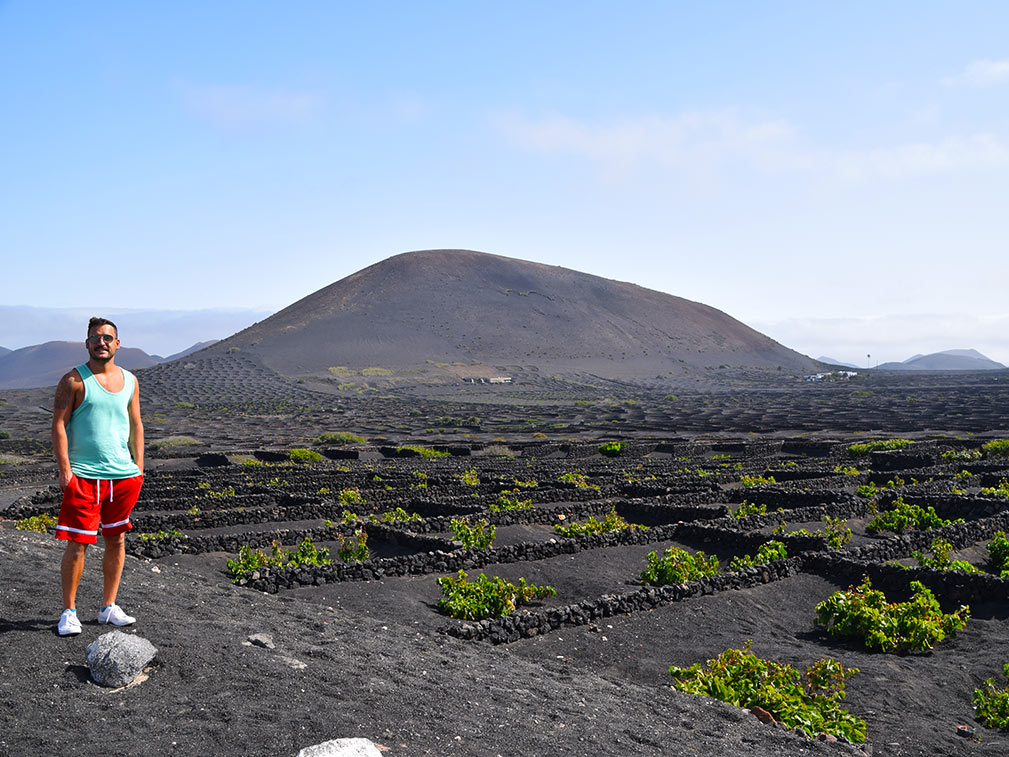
x=90, y=503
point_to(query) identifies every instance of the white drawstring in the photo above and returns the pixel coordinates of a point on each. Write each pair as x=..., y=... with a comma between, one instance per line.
x=98, y=491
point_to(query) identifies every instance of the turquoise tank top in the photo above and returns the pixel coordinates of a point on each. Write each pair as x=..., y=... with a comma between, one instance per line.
x=99, y=430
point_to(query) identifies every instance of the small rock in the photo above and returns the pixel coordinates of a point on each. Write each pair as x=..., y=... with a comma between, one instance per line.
x=342, y=748
x=263, y=640
x=762, y=715
x=116, y=658
x=294, y=663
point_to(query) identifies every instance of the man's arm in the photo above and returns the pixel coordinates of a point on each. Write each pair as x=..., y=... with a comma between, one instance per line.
x=63, y=408
x=136, y=427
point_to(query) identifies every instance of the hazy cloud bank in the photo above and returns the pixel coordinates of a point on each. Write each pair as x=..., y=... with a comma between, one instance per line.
x=890, y=338
x=156, y=332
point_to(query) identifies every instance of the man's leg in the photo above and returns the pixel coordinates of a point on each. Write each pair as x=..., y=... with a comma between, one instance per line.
x=71, y=569
x=115, y=522
x=112, y=565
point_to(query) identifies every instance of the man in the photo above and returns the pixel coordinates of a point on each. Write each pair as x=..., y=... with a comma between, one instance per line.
x=98, y=440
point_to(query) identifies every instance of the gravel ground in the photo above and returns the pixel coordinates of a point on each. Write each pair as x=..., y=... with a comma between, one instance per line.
x=367, y=660
x=332, y=674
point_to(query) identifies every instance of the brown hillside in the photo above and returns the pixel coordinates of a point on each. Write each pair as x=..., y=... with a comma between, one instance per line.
x=45, y=364
x=460, y=306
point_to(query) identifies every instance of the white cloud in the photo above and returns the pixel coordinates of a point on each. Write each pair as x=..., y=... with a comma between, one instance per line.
x=981, y=73
x=979, y=151
x=238, y=107
x=712, y=139
x=676, y=140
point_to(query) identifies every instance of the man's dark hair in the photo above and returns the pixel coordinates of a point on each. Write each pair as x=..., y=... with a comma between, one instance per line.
x=95, y=322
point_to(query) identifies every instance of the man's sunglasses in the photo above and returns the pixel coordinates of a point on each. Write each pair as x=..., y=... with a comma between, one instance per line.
x=96, y=338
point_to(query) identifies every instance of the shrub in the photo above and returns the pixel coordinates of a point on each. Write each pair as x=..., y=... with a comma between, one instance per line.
x=991, y=705
x=863, y=613
x=486, y=597
x=353, y=548
x=837, y=531
x=578, y=479
x=767, y=553
x=308, y=554
x=38, y=523
x=593, y=526
x=811, y=702
x=748, y=508
x=184, y=405
x=302, y=455
x=756, y=480
x=611, y=449
x=227, y=491
x=504, y=503
x=904, y=516
x=962, y=455
x=251, y=560
x=477, y=535
x=940, y=559
x=864, y=449
x=350, y=497
x=869, y=490
x=395, y=516
x=998, y=554
x=469, y=477
x=897, y=483
x=997, y=448
x=1002, y=490
x=162, y=535
x=498, y=450
x=425, y=452
x=338, y=437
x=676, y=566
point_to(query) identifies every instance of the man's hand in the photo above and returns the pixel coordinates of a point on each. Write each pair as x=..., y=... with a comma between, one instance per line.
x=65, y=477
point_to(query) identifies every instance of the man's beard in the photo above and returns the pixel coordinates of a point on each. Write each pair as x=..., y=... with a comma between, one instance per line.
x=103, y=358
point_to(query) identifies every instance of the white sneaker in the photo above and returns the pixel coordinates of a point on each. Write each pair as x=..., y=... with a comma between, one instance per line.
x=69, y=624
x=114, y=614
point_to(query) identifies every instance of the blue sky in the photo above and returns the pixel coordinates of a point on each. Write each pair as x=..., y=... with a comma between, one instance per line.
x=835, y=175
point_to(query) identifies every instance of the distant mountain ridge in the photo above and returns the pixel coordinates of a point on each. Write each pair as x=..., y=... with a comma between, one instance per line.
x=948, y=360
x=154, y=330
x=832, y=361
x=44, y=364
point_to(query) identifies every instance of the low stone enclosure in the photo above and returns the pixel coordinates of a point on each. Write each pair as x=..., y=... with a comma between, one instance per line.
x=725, y=497
x=684, y=493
